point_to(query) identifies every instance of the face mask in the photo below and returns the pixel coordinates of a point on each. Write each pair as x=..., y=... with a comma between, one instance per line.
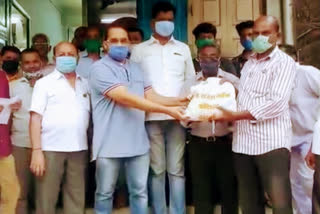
x=33, y=75
x=92, y=45
x=261, y=44
x=66, y=64
x=204, y=42
x=164, y=28
x=247, y=44
x=118, y=52
x=10, y=66
x=210, y=69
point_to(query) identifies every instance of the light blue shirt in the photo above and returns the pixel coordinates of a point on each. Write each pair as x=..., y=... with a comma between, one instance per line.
x=119, y=131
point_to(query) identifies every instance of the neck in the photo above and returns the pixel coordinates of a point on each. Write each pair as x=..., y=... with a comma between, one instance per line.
x=44, y=61
x=263, y=55
x=94, y=56
x=161, y=39
x=70, y=76
x=12, y=77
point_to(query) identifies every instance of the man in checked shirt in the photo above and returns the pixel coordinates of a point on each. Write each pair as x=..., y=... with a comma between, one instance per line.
x=262, y=136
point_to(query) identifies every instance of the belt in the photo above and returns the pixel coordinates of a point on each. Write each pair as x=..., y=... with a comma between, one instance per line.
x=211, y=139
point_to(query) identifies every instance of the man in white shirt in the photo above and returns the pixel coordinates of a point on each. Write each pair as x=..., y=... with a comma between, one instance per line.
x=59, y=118
x=306, y=93
x=168, y=64
x=263, y=133
x=22, y=88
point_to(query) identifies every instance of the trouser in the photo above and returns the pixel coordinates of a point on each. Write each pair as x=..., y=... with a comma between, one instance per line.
x=9, y=185
x=66, y=169
x=167, y=141
x=301, y=177
x=107, y=172
x=269, y=171
x=22, y=157
x=316, y=188
x=212, y=173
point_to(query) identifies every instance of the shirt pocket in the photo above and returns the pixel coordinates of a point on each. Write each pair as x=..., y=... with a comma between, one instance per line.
x=176, y=65
x=260, y=83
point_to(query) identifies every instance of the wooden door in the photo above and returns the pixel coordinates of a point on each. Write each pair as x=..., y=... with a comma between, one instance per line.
x=224, y=14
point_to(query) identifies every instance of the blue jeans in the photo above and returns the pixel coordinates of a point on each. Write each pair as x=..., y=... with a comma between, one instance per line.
x=167, y=140
x=107, y=172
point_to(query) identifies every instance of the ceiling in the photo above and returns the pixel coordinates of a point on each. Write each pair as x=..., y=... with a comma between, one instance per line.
x=68, y=6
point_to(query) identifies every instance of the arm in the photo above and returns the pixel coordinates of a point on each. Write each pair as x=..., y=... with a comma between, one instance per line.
x=166, y=101
x=37, y=165
x=189, y=69
x=121, y=95
x=38, y=106
x=279, y=95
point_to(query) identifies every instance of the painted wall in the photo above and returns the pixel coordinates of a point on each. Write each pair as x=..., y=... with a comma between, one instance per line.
x=45, y=18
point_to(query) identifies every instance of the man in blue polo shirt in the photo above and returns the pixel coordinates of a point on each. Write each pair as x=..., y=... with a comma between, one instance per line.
x=120, y=97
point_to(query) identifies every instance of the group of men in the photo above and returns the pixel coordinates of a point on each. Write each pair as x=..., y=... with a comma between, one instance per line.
x=135, y=94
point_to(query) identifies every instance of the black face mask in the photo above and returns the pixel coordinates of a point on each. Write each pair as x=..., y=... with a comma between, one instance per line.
x=10, y=66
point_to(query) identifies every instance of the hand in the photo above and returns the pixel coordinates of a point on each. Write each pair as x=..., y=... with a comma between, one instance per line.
x=183, y=101
x=311, y=160
x=16, y=106
x=177, y=112
x=37, y=165
x=1, y=108
x=223, y=80
x=222, y=114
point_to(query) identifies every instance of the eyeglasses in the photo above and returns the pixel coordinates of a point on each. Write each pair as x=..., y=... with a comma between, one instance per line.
x=40, y=44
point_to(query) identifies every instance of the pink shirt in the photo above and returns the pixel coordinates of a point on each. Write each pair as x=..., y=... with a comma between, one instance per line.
x=5, y=142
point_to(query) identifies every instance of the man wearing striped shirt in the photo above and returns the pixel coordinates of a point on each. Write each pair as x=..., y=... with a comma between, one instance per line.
x=262, y=136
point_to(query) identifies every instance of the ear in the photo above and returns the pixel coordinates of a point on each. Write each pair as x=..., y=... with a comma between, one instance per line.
x=152, y=24
x=105, y=46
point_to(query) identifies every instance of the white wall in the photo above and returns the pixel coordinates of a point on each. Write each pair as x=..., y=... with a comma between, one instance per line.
x=45, y=18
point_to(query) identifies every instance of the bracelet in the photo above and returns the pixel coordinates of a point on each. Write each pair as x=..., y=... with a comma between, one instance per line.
x=33, y=149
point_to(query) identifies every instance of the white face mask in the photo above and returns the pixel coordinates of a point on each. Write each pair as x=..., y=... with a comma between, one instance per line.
x=33, y=75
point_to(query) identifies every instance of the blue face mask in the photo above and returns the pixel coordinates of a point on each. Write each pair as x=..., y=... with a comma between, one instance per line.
x=247, y=44
x=118, y=52
x=164, y=28
x=66, y=64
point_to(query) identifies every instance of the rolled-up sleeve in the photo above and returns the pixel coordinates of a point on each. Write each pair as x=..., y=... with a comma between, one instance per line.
x=103, y=79
x=39, y=98
x=277, y=99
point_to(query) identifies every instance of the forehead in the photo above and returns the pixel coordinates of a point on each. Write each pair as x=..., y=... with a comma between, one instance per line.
x=30, y=56
x=66, y=48
x=264, y=25
x=209, y=50
x=165, y=15
x=10, y=54
x=93, y=31
x=117, y=32
x=41, y=39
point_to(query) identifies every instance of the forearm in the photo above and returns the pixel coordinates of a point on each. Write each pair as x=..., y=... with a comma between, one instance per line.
x=35, y=131
x=166, y=101
x=137, y=102
x=243, y=115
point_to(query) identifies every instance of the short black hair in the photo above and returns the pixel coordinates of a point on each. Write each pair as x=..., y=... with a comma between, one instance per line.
x=162, y=6
x=40, y=35
x=136, y=29
x=10, y=48
x=115, y=25
x=244, y=25
x=29, y=50
x=204, y=27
